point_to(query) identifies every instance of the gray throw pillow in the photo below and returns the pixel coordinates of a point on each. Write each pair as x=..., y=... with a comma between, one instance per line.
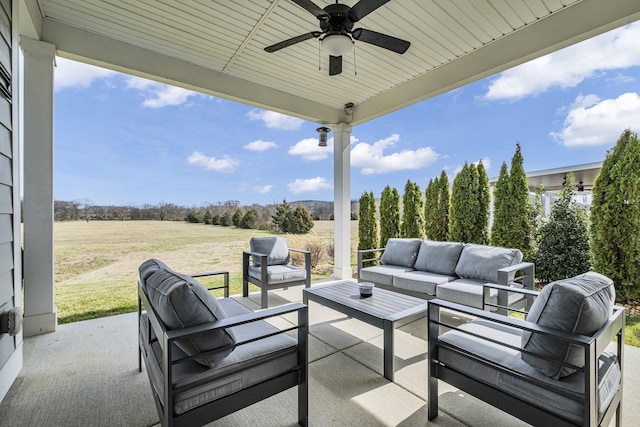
x=402, y=252
x=481, y=262
x=438, y=257
x=579, y=305
x=275, y=248
x=180, y=302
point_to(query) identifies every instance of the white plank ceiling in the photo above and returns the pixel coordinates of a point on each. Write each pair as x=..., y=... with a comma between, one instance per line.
x=217, y=46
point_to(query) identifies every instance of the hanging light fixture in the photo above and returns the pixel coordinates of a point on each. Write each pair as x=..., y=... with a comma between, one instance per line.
x=336, y=44
x=322, y=135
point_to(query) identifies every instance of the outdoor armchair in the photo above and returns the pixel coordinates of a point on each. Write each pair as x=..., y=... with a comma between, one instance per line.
x=207, y=357
x=268, y=265
x=558, y=367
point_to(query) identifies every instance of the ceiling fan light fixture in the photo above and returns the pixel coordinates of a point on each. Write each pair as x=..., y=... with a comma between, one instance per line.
x=336, y=44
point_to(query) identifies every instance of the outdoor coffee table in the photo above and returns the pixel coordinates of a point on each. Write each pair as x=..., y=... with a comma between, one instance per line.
x=384, y=309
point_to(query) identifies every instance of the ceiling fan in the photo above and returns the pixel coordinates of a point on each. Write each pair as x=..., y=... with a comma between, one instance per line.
x=337, y=34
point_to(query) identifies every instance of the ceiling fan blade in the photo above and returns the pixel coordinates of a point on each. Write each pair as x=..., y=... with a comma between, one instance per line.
x=292, y=41
x=363, y=8
x=335, y=65
x=381, y=40
x=312, y=8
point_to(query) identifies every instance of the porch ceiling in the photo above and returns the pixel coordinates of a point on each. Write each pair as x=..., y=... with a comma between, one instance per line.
x=217, y=47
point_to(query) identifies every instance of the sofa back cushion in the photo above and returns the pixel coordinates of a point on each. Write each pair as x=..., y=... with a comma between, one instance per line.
x=275, y=248
x=180, y=302
x=438, y=257
x=401, y=252
x=149, y=267
x=579, y=305
x=481, y=262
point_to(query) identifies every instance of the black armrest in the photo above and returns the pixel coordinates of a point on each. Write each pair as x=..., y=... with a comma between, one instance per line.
x=362, y=260
x=225, y=286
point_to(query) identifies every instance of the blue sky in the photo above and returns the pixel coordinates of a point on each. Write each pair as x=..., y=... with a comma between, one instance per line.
x=123, y=140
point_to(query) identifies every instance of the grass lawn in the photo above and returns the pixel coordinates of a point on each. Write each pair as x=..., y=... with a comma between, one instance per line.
x=96, y=263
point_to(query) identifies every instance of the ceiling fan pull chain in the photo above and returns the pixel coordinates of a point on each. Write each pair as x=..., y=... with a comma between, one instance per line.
x=355, y=69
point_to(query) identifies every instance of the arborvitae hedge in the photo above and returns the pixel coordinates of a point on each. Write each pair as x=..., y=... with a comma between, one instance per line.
x=413, y=212
x=441, y=223
x=500, y=208
x=367, y=224
x=615, y=218
x=484, y=200
x=389, y=215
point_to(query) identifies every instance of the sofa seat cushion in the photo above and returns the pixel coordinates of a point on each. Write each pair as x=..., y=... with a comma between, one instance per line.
x=557, y=396
x=279, y=273
x=420, y=281
x=401, y=252
x=275, y=248
x=180, y=301
x=579, y=305
x=246, y=365
x=470, y=292
x=438, y=257
x=481, y=262
x=382, y=274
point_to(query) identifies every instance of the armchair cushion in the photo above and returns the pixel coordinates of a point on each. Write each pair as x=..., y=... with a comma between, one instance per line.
x=481, y=262
x=181, y=302
x=438, y=257
x=149, y=267
x=401, y=252
x=579, y=305
x=275, y=248
x=279, y=273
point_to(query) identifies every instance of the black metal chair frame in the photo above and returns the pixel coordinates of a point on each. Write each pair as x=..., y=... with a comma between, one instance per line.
x=241, y=399
x=593, y=347
x=263, y=282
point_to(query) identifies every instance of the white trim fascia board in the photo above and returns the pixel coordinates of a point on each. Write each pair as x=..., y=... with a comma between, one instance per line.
x=571, y=25
x=95, y=49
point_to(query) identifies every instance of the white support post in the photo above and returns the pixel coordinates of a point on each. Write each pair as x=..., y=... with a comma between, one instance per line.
x=342, y=200
x=40, y=315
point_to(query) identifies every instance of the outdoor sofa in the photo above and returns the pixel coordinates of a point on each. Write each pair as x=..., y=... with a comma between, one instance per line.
x=561, y=366
x=207, y=357
x=451, y=271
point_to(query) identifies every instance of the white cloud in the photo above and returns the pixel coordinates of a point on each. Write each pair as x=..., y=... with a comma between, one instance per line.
x=372, y=160
x=225, y=164
x=259, y=145
x=159, y=95
x=309, y=150
x=69, y=74
x=275, y=120
x=486, y=162
x=592, y=121
x=311, y=185
x=617, y=49
x=262, y=189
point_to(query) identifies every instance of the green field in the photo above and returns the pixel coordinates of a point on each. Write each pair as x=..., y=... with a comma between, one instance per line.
x=96, y=263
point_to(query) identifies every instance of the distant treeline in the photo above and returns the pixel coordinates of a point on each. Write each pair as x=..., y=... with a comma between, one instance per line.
x=86, y=210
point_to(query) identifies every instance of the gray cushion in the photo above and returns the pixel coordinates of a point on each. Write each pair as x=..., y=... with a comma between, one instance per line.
x=420, y=281
x=181, y=301
x=561, y=397
x=275, y=248
x=579, y=305
x=279, y=273
x=381, y=274
x=470, y=292
x=438, y=257
x=247, y=365
x=149, y=267
x=402, y=252
x=482, y=262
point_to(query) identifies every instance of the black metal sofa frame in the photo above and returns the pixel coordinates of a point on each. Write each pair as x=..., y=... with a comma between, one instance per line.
x=513, y=403
x=238, y=400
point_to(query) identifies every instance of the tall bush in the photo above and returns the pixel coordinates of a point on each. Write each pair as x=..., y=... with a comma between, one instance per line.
x=564, y=240
x=367, y=223
x=615, y=217
x=430, y=208
x=389, y=214
x=413, y=211
x=440, y=230
x=299, y=221
x=500, y=208
x=465, y=206
x=484, y=200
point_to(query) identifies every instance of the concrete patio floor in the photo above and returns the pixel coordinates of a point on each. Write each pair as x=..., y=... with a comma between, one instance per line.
x=86, y=374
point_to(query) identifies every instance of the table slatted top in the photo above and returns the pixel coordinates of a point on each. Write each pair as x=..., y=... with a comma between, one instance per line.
x=382, y=304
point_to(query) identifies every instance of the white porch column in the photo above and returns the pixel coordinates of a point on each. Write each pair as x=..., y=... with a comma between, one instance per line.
x=40, y=316
x=342, y=200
